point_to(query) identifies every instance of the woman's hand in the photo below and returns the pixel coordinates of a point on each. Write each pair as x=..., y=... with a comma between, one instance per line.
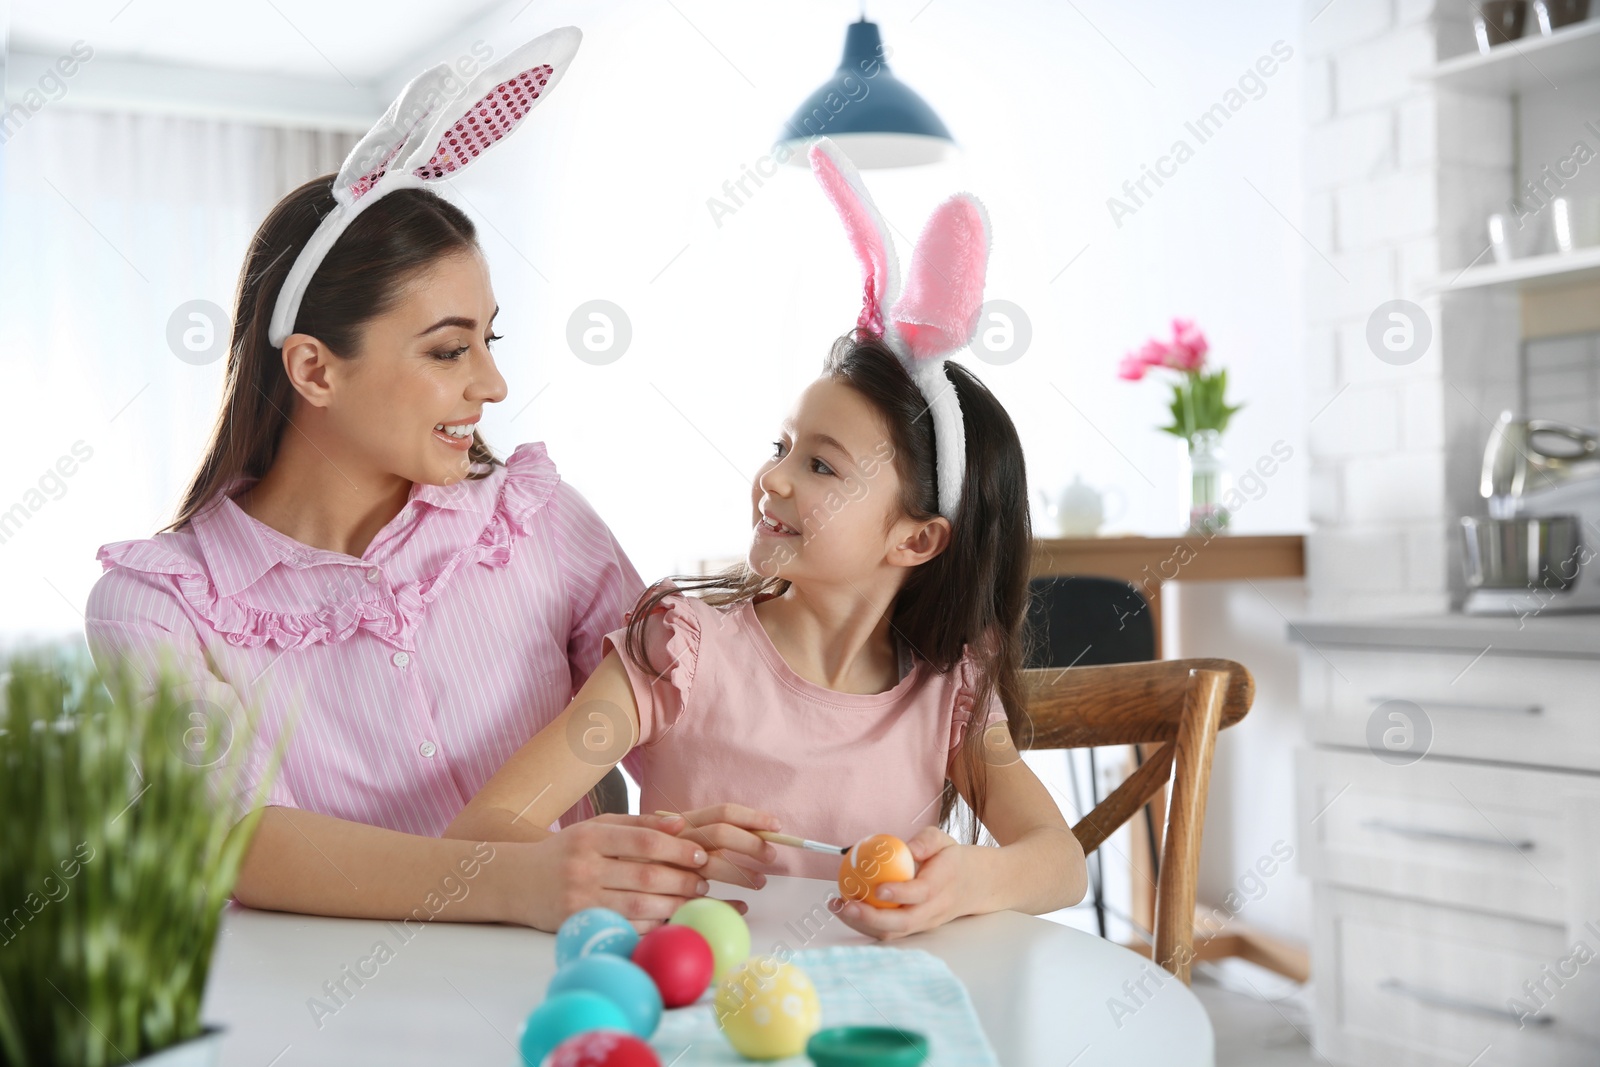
x=635, y=865
x=728, y=831
x=946, y=886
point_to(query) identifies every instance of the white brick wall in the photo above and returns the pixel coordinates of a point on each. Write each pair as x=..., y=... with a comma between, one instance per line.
x=1400, y=179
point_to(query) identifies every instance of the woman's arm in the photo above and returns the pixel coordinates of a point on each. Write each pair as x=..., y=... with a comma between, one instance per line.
x=1039, y=866
x=301, y=861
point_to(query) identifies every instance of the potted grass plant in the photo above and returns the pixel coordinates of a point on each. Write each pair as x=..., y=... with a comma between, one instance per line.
x=120, y=850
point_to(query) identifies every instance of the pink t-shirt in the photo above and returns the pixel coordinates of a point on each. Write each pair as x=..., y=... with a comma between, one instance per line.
x=729, y=720
x=417, y=669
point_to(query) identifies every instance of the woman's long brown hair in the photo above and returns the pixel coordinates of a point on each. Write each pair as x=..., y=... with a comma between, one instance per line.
x=973, y=594
x=362, y=276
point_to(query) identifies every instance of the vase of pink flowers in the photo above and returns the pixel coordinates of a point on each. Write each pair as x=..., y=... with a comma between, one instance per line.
x=1200, y=414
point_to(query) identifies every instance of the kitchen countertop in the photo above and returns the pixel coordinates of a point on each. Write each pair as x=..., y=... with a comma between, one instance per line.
x=1545, y=635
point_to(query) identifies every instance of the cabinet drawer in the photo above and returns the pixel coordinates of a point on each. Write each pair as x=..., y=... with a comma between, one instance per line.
x=1479, y=836
x=1542, y=710
x=1418, y=985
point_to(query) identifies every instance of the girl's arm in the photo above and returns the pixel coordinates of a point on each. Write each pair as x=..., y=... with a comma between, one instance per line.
x=560, y=763
x=314, y=864
x=1039, y=866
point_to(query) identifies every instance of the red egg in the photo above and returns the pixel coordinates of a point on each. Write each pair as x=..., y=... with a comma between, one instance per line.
x=679, y=959
x=603, y=1048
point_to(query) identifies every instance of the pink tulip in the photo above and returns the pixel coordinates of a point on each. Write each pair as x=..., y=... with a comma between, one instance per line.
x=1132, y=367
x=1189, y=346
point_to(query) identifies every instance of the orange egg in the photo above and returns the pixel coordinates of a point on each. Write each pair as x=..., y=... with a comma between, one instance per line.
x=873, y=861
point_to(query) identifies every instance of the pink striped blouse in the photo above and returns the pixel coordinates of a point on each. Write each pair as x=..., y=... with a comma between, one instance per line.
x=411, y=673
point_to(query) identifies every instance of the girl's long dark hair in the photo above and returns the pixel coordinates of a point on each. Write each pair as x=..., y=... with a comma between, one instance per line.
x=363, y=275
x=972, y=595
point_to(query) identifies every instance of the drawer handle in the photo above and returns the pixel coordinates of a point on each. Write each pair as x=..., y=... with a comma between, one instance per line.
x=1462, y=705
x=1447, y=836
x=1450, y=1002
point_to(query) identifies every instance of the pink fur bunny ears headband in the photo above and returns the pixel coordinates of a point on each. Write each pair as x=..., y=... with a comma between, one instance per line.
x=935, y=315
x=425, y=137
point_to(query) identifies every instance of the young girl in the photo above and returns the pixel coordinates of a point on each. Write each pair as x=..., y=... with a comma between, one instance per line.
x=859, y=673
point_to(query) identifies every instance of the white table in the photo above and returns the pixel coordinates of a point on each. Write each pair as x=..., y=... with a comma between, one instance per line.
x=458, y=993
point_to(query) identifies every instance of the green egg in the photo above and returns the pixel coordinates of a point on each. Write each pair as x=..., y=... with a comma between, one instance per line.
x=723, y=928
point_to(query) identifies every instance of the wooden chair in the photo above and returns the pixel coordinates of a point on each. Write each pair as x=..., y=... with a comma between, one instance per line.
x=1180, y=704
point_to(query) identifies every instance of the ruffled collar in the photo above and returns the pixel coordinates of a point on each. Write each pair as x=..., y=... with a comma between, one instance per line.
x=231, y=551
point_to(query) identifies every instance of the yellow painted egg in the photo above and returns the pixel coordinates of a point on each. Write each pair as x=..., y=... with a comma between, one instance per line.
x=768, y=1009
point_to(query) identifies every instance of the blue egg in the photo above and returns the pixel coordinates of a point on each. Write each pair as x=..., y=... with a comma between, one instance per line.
x=594, y=930
x=620, y=981
x=564, y=1014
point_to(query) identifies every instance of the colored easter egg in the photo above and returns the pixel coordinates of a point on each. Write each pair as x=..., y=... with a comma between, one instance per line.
x=679, y=960
x=619, y=981
x=563, y=1015
x=603, y=1048
x=594, y=930
x=767, y=1009
x=870, y=863
x=723, y=928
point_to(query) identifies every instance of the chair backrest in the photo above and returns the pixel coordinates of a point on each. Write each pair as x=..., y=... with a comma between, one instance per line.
x=1083, y=620
x=1180, y=704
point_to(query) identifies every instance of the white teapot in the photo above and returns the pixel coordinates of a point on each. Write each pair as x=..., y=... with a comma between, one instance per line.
x=1080, y=509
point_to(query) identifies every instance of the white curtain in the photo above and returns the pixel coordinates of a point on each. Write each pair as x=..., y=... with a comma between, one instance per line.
x=109, y=223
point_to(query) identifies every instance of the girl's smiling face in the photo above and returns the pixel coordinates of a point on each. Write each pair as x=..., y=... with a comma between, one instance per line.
x=410, y=400
x=827, y=503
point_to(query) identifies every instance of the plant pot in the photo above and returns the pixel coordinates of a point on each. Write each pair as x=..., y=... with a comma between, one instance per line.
x=200, y=1051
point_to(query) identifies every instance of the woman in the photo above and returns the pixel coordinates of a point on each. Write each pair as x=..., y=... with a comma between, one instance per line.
x=351, y=556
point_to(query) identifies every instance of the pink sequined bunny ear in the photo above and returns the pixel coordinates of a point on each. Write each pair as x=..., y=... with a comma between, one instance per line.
x=433, y=130
x=869, y=236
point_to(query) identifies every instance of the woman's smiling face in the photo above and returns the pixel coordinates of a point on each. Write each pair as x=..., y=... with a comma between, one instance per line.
x=410, y=399
x=827, y=503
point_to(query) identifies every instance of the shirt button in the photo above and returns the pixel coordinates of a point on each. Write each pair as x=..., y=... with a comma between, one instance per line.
x=400, y=659
x=427, y=748
x=372, y=575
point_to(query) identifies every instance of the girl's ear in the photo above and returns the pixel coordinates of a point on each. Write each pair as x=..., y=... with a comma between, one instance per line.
x=869, y=235
x=923, y=543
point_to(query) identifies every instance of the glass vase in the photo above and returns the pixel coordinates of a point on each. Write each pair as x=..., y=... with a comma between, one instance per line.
x=1208, y=482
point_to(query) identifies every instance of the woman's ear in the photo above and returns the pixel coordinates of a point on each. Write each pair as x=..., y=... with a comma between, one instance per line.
x=306, y=361
x=924, y=541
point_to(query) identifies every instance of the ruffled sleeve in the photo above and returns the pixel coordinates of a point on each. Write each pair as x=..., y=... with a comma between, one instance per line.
x=134, y=622
x=968, y=675
x=662, y=689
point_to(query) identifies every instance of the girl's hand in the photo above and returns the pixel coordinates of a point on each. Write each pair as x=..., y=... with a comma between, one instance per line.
x=727, y=830
x=635, y=865
x=942, y=890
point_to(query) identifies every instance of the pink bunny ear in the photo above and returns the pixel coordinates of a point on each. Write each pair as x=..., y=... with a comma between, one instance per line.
x=869, y=237
x=425, y=136
x=938, y=313
x=501, y=95
x=413, y=110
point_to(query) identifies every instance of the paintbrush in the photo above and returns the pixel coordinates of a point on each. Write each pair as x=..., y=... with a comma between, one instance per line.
x=791, y=840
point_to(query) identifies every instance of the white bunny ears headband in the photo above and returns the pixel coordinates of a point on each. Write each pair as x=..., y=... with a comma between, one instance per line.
x=936, y=315
x=424, y=137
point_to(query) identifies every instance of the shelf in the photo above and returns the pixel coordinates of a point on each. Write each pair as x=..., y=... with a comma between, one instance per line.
x=1528, y=63
x=1534, y=272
